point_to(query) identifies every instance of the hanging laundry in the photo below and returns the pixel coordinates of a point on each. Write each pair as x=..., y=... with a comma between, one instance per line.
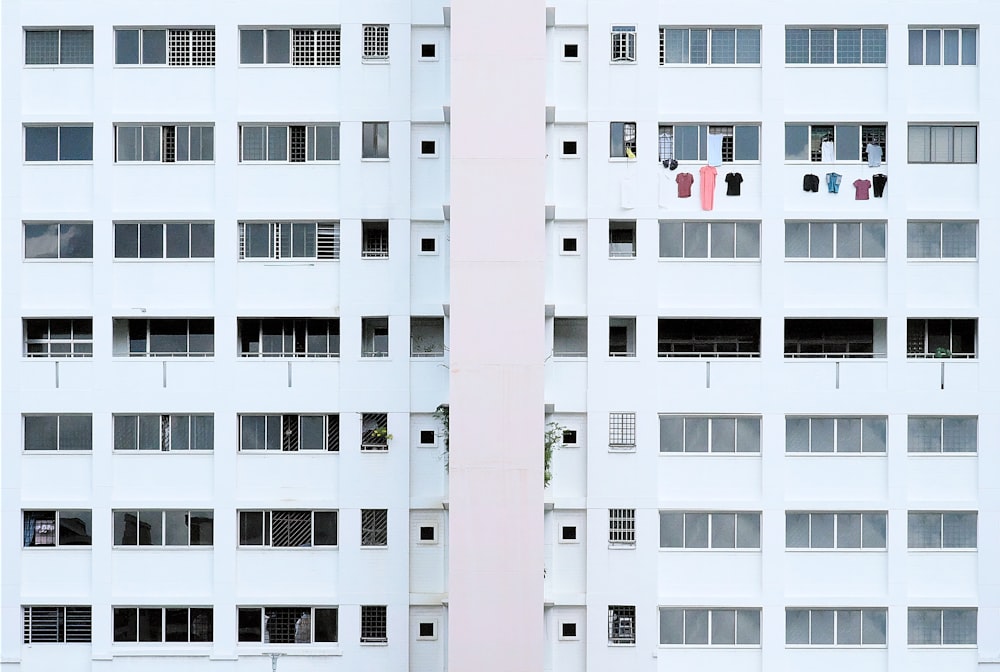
x=733, y=181
x=833, y=182
x=684, y=182
x=810, y=182
x=861, y=188
x=874, y=155
x=880, y=179
x=707, y=174
x=827, y=151
x=715, y=149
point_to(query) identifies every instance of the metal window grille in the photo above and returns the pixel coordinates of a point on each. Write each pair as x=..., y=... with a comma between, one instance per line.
x=169, y=144
x=375, y=243
x=374, y=431
x=202, y=46
x=56, y=624
x=621, y=624
x=328, y=240
x=179, y=47
x=666, y=143
x=374, y=624
x=297, y=144
x=374, y=527
x=58, y=338
x=623, y=44
x=290, y=529
x=874, y=135
x=621, y=527
x=333, y=433
x=328, y=46
x=287, y=625
x=376, y=42
x=621, y=430
x=663, y=46
x=303, y=47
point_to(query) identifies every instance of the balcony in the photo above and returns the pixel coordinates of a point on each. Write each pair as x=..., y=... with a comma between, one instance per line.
x=835, y=338
x=681, y=337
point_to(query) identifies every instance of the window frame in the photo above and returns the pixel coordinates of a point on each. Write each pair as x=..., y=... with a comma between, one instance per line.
x=708, y=46
x=287, y=430
x=374, y=526
x=710, y=421
x=163, y=143
x=709, y=616
x=310, y=129
x=325, y=240
x=261, y=628
x=621, y=528
x=375, y=337
x=374, y=620
x=622, y=431
x=268, y=530
x=32, y=632
x=59, y=133
x=59, y=45
x=943, y=531
x=372, y=148
x=88, y=240
x=667, y=142
x=120, y=528
x=164, y=632
x=738, y=226
x=712, y=519
x=621, y=624
x=190, y=48
x=623, y=43
x=836, y=627
x=862, y=226
x=923, y=326
x=912, y=424
x=166, y=423
x=122, y=330
x=941, y=49
x=58, y=437
x=835, y=532
x=626, y=133
x=815, y=155
x=915, y=244
x=931, y=159
x=85, y=342
x=942, y=625
x=34, y=522
x=335, y=46
x=835, y=46
x=375, y=43
x=295, y=337
x=206, y=230
x=837, y=428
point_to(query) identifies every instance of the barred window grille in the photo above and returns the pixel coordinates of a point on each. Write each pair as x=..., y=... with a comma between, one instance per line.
x=727, y=140
x=621, y=527
x=621, y=430
x=316, y=46
x=622, y=44
x=374, y=239
x=374, y=624
x=191, y=46
x=374, y=527
x=179, y=47
x=56, y=624
x=376, y=42
x=289, y=240
x=621, y=624
x=291, y=528
x=374, y=431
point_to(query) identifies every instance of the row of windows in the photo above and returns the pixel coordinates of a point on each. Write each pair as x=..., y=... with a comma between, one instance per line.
x=152, y=624
x=191, y=143
x=824, y=627
x=305, y=46
x=151, y=432
x=821, y=45
x=175, y=528
x=257, y=337
x=848, y=338
x=825, y=142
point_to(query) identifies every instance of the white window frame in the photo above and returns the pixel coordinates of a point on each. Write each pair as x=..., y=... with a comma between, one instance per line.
x=867, y=424
x=166, y=425
x=622, y=235
x=961, y=38
x=836, y=614
x=59, y=62
x=860, y=227
x=300, y=637
x=837, y=522
x=945, y=436
x=879, y=129
x=294, y=332
x=434, y=630
x=67, y=624
x=50, y=528
x=205, y=227
x=122, y=344
x=165, y=145
x=87, y=445
x=427, y=253
x=65, y=233
x=190, y=628
x=311, y=131
x=741, y=230
x=375, y=432
x=562, y=631
x=944, y=639
x=374, y=239
x=709, y=31
x=433, y=527
x=281, y=234
x=59, y=132
x=930, y=156
x=374, y=525
x=371, y=148
x=923, y=351
x=621, y=430
x=269, y=533
x=750, y=442
x=142, y=515
x=284, y=431
x=576, y=534
x=374, y=621
x=621, y=528
x=375, y=337
x=667, y=140
x=329, y=51
x=710, y=614
x=712, y=519
x=621, y=624
x=916, y=244
x=623, y=43
x=73, y=345
x=176, y=53
x=947, y=525
x=375, y=43
x=861, y=62
x=624, y=133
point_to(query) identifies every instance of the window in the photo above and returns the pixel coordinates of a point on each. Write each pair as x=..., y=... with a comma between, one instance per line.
x=164, y=240
x=621, y=239
x=709, y=240
x=623, y=140
x=703, y=434
x=621, y=527
x=375, y=239
x=428, y=534
x=835, y=627
x=375, y=42
x=428, y=148
x=288, y=529
x=374, y=432
x=621, y=624
x=375, y=140
x=941, y=530
x=164, y=337
x=847, y=338
x=428, y=51
x=621, y=337
x=709, y=627
x=941, y=627
x=941, y=240
x=941, y=338
x=833, y=143
x=428, y=245
x=165, y=46
x=279, y=143
x=289, y=337
x=569, y=148
x=163, y=624
x=689, y=142
x=374, y=527
x=570, y=246
x=835, y=240
x=426, y=630
x=52, y=46
x=833, y=530
x=568, y=533
x=59, y=337
x=374, y=336
x=571, y=51
x=150, y=527
x=570, y=438
x=58, y=143
x=58, y=240
x=840, y=46
x=710, y=530
x=68, y=624
x=714, y=337
x=428, y=437
x=164, y=433
x=287, y=625
x=58, y=432
x=289, y=433
x=426, y=337
x=943, y=46
x=292, y=241
x=290, y=46
x=948, y=434
x=57, y=528
x=164, y=144
x=621, y=430
x=622, y=44
x=373, y=624
x=709, y=46
x=865, y=434
x=569, y=337
x=942, y=144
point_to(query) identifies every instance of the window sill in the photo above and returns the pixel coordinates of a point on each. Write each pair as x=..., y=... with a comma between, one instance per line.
x=709, y=647
x=836, y=65
x=251, y=162
x=677, y=549
x=927, y=453
x=931, y=357
x=307, y=451
x=58, y=66
x=85, y=162
x=375, y=61
x=708, y=355
x=620, y=159
x=286, y=357
x=834, y=454
x=29, y=358
x=374, y=159
x=173, y=548
x=311, y=649
x=909, y=260
x=835, y=260
x=932, y=647
x=206, y=453
x=163, y=66
x=60, y=260
x=569, y=156
x=962, y=551
x=836, y=646
x=829, y=356
x=835, y=550
x=88, y=451
x=138, y=649
x=699, y=66
x=707, y=453
x=57, y=548
x=569, y=358
x=385, y=643
x=713, y=260
x=163, y=260
x=268, y=66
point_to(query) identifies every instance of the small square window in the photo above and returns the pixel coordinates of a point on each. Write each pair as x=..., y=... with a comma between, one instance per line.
x=567, y=631
x=569, y=246
x=426, y=437
x=571, y=51
x=428, y=51
x=428, y=533
x=569, y=437
x=426, y=630
x=569, y=148
x=568, y=533
x=428, y=245
x=428, y=148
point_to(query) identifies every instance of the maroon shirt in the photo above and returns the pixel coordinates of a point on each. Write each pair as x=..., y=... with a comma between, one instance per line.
x=861, y=188
x=684, y=182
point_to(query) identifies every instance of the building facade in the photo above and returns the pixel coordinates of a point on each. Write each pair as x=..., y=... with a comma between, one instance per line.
x=749, y=312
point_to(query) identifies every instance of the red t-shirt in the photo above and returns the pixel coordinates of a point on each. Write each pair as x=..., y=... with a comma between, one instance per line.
x=684, y=182
x=861, y=188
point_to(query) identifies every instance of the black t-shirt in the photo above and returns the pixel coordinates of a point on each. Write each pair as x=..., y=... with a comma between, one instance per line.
x=733, y=181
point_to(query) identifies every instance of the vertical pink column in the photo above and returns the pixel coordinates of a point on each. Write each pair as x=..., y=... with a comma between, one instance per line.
x=496, y=556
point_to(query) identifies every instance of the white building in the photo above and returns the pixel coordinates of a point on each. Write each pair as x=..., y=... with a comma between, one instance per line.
x=775, y=405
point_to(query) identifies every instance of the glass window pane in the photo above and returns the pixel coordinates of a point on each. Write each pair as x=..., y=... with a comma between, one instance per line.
x=959, y=435
x=40, y=432
x=671, y=434
x=951, y=47
x=180, y=432
x=76, y=143
x=129, y=143
x=821, y=435
x=821, y=626
x=747, y=143
x=699, y=46
x=277, y=46
x=277, y=143
x=959, y=529
x=748, y=45
x=848, y=142
x=918, y=144
x=311, y=435
x=150, y=528
x=933, y=47
x=797, y=530
x=965, y=144
x=723, y=530
x=848, y=435
x=41, y=143
x=696, y=626
x=796, y=142
x=748, y=627
x=849, y=627
x=75, y=432
x=796, y=435
x=723, y=435
x=820, y=46
x=696, y=435
x=821, y=240
x=150, y=143
x=671, y=239
x=923, y=627
x=923, y=530
x=696, y=530
x=203, y=240
x=958, y=239
x=796, y=45
x=873, y=435
x=686, y=143
x=724, y=626
x=150, y=241
x=873, y=530
x=723, y=46
x=848, y=240
x=671, y=626
x=959, y=626
x=796, y=626
x=848, y=45
x=41, y=241
x=873, y=45
x=747, y=530
x=76, y=241
x=747, y=240
x=797, y=240
x=671, y=529
x=251, y=46
x=923, y=435
x=873, y=240
x=77, y=47
x=126, y=47
x=149, y=432
x=126, y=240
x=821, y=530
x=325, y=528
x=848, y=530
x=916, y=47
x=873, y=626
x=676, y=45
x=723, y=240
x=253, y=143
x=695, y=240
x=41, y=47
x=178, y=240
x=969, y=36
x=154, y=47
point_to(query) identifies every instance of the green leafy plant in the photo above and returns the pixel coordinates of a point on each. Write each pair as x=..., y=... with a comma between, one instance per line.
x=441, y=413
x=553, y=439
x=382, y=433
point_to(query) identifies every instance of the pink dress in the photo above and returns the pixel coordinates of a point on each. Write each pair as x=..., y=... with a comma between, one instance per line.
x=708, y=174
